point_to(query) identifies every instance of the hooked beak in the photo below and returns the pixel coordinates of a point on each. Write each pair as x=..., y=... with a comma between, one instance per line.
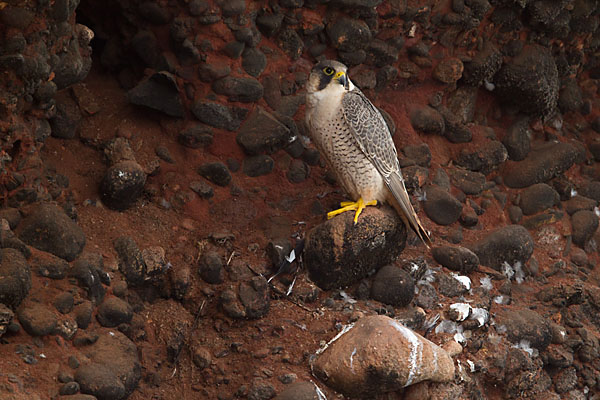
x=342, y=79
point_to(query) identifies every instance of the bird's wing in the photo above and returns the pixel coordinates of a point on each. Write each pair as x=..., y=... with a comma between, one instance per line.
x=370, y=132
x=373, y=137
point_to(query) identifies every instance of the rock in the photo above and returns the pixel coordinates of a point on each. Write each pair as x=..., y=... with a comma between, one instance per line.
x=427, y=120
x=48, y=265
x=122, y=185
x=64, y=302
x=216, y=172
x=456, y=258
x=65, y=122
x=37, y=319
x=450, y=286
x=377, y=355
x=269, y=23
x=510, y=244
x=525, y=324
x=258, y=165
x=381, y=53
x=261, y=390
x=449, y=70
x=262, y=132
x=251, y=300
x=298, y=171
x=254, y=61
x=578, y=203
x=541, y=165
x=338, y=253
x=483, y=66
x=6, y=317
x=245, y=90
x=462, y=103
x=119, y=355
x=154, y=13
x=538, y=197
x=211, y=268
x=49, y=229
x=468, y=181
x=83, y=314
x=87, y=270
x=299, y=391
x=455, y=129
x=420, y=154
x=75, y=59
x=201, y=357
x=154, y=259
x=518, y=140
x=570, y=98
x=100, y=381
x=392, y=285
x=441, y=206
x=530, y=81
x=159, y=92
x=113, y=312
x=16, y=17
x=591, y=190
x=69, y=388
x=131, y=261
x=15, y=278
x=349, y=35
x=486, y=158
x=218, y=115
x=11, y=215
x=117, y=150
x=584, y=224
x=202, y=189
x=196, y=137
x=213, y=71
x=291, y=43
x=230, y=8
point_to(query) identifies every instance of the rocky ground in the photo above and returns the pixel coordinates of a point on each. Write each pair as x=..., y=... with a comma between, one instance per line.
x=154, y=179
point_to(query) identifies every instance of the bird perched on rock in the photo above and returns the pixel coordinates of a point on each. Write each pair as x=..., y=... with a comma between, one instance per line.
x=351, y=134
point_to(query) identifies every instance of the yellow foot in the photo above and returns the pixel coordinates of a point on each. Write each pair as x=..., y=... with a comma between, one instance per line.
x=351, y=206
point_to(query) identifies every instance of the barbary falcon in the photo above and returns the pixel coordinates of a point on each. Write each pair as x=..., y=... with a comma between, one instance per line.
x=352, y=136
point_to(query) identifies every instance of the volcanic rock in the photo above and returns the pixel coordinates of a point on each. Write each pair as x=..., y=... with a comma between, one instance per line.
x=49, y=229
x=338, y=253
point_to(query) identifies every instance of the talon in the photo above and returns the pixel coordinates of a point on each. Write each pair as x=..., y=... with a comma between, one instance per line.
x=357, y=206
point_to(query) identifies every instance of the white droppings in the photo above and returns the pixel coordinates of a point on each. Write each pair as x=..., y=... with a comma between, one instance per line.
x=489, y=86
x=347, y=298
x=345, y=329
x=486, y=283
x=415, y=350
x=507, y=270
x=573, y=192
x=352, y=359
x=464, y=280
x=471, y=365
x=320, y=394
x=291, y=257
x=500, y=299
x=462, y=311
x=481, y=315
x=525, y=345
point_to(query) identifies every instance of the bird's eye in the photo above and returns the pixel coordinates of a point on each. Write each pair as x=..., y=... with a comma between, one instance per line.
x=328, y=71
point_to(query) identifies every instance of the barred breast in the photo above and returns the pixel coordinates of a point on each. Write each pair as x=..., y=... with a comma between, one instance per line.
x=332, y=137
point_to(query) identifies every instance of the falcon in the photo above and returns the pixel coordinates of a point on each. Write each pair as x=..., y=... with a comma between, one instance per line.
x=352, y=136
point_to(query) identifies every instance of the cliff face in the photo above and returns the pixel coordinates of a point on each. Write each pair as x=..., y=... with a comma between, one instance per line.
x=155, y=168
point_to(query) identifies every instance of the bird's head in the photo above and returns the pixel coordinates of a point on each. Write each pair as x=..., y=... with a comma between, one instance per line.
x=328, y=74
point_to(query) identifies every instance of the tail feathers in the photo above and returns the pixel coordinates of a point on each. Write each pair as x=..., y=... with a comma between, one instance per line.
x=402, y=204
